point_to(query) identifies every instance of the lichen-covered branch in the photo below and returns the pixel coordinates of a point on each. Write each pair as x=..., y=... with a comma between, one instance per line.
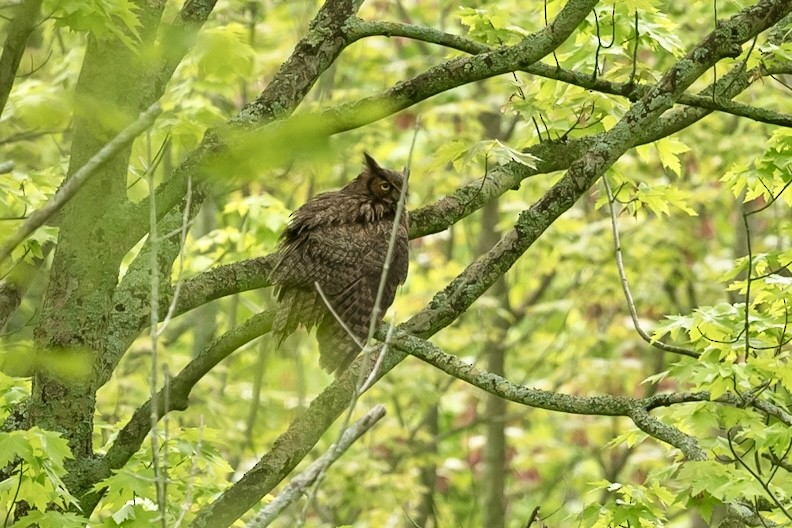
x=303, y=432
x=360, y=29
x=605, y=405
x=316, y=51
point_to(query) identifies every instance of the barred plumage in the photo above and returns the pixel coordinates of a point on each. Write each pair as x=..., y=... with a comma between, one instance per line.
x=339, y=239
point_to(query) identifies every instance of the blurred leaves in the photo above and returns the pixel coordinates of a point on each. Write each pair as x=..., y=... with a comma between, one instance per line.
x=682, y=239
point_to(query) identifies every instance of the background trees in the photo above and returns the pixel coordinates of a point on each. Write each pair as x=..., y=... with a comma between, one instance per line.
x=241, y=111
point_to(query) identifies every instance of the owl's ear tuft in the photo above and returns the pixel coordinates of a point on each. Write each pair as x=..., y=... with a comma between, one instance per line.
x=372, y=164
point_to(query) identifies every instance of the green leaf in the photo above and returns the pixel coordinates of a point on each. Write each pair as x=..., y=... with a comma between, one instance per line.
x=668, y=150
x=105, y=19
x=12, y=445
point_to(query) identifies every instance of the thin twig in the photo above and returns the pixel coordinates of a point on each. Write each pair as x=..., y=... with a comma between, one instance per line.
x=765, y=485
x=635, y=51
x=188, y=495
x=154, y=340
x=300, y=483
x=73, y=183
x=180, y=271
x=626, y=287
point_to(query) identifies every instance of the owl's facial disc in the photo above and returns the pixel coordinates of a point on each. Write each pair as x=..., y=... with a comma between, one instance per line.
x=387, y=189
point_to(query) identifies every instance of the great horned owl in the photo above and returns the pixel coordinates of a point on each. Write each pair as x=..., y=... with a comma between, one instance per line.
x=339, y=240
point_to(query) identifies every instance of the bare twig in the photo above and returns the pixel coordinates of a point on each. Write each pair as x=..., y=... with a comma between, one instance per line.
x=301, y=482
x=626, y=287
x=154, y=341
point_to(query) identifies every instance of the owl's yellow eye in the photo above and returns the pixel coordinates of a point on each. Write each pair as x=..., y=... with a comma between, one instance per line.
x=385, y=186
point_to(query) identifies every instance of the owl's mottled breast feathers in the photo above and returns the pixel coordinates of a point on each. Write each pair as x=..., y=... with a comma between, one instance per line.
x=339, y=240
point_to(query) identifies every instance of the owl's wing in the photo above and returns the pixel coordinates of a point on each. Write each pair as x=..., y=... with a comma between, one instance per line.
x=354, y=297
x=346, y=261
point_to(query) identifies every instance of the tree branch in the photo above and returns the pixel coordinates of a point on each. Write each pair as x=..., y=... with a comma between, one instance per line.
x=131, y=437
x=304, y=431
x=301, y=482
x=605, y=405
x=359, y=29
x=19, y=29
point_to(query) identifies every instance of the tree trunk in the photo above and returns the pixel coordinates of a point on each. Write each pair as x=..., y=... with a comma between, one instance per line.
x=495, y=463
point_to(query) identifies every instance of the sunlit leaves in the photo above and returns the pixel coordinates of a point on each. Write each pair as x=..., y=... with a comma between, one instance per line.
x=103, y=18
x=661, y=198
x=663, y=32
x=668, y=150
x=195, y=473
x=21, y=193
x=38, y=518
x=223, y=53
x=491, y=25
x=633, y=505
x=464, y=156
x=767, y=177
x=723, y=481
x=38, y=458
x=40, y=106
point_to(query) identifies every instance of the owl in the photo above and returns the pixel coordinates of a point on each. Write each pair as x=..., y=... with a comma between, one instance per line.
x=339, y=240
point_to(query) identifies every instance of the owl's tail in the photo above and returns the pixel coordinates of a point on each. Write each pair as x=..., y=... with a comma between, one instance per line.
x=337, y=349
x=296, y=307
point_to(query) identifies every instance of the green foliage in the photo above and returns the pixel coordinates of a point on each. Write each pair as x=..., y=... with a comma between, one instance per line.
x=633, y=505
x=464, y=156
x=680, y=206
x=38, y=461
x=105, y=19
x=192, y=471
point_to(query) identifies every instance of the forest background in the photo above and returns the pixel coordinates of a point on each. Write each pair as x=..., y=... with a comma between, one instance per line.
x=600, y=225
